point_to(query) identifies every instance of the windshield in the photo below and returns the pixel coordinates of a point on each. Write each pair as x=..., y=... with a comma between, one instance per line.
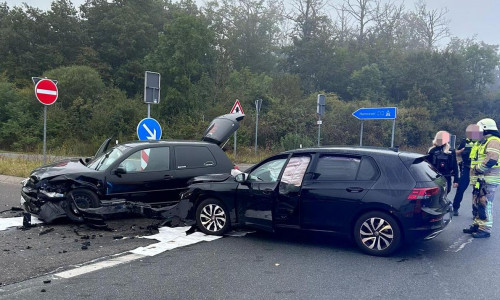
x=104, y=161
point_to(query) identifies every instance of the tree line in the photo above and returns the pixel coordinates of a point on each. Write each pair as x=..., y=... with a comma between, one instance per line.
x=359, y=53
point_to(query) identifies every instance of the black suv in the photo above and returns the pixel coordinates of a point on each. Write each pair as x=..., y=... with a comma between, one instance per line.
x=152, y=172
x=378, y=197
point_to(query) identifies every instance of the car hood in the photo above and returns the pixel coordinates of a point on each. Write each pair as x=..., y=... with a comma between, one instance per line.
x=210, y=178
x=62, y=167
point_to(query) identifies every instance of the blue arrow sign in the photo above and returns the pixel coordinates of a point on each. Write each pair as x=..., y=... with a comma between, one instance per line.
x=376, y=113
x=148, y=129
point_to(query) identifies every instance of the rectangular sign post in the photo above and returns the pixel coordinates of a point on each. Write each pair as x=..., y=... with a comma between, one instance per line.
x=151, y=89
x=377, y=113
x=258, y=104
x=320, y=110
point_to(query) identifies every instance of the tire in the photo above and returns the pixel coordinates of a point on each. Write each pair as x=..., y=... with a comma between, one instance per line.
x=212, y=217
x=80, y=198
x=377, y=233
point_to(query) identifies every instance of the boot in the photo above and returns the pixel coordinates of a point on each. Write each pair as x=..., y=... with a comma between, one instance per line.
x=480, y=234
x=471, y=229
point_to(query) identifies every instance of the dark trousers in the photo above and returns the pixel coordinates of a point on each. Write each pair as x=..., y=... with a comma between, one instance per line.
x=448, y=183
x=463, y=184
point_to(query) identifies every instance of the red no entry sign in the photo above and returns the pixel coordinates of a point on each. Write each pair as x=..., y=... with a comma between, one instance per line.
x=46, y=91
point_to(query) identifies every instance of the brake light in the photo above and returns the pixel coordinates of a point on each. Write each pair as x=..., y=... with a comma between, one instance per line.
x=423, y=193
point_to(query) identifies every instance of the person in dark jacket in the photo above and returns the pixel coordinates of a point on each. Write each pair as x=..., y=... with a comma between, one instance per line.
x=464, y=149
x=444, y=159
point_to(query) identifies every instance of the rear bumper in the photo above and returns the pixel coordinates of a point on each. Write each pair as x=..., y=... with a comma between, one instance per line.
x=429, y=226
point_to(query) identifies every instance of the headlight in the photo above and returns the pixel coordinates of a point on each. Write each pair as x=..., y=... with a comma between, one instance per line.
x=186, y=195
x=52, y=194
x=25, y=182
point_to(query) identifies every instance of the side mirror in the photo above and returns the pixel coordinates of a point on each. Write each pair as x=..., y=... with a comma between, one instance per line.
x=87, y=160
x=120, y=170
x=241, y=178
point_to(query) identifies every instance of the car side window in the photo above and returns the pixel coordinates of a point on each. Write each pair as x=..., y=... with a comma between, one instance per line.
x=269, y=171
x=189, y=157
x=335, y=167
x=148, y=160
x=294, y=174
x=367, y=170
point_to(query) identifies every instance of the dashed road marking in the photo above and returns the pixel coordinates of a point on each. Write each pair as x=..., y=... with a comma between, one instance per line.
x=99, y=265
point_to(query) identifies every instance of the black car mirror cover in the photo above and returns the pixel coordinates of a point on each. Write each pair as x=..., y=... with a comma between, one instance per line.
x=120, y=170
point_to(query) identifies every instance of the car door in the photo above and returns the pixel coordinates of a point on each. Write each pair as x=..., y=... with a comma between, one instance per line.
x=333, y=192
x=287, y=207
x=258, y=193
x=191, y=161
x=147, y=177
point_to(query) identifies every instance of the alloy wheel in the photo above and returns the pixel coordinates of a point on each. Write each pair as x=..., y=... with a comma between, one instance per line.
x=376, y=234
x=213, y=217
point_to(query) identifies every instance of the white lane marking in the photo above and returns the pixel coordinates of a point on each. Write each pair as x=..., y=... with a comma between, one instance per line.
x=16, y=222
x=460, y=244
x=169, y=238
x=100, y=265
x=47, y=92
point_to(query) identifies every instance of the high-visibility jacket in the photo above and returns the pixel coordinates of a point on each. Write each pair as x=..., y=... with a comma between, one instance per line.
x=478, y=157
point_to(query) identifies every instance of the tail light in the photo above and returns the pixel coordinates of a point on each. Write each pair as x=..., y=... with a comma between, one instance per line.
x=423, y=193
x=419, y=194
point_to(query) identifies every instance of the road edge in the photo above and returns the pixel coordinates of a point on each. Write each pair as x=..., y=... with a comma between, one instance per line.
x=11, y=179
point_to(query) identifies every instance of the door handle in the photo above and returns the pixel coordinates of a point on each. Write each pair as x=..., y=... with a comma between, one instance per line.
x=354, y=189
x=168, y=177
x=267, y=191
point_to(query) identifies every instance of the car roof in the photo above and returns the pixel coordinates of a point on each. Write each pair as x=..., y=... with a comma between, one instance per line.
x=133, y=144
x=360, y=150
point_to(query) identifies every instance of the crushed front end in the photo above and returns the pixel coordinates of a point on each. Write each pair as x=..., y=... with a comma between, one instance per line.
x=44, y=199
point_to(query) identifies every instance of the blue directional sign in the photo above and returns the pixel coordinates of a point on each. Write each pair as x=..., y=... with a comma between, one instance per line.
x=148, y=129
x=376, y=113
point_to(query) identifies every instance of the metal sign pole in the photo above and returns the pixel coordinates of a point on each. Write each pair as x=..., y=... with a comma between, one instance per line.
x=149, y=110
x=234, y=152
x=256, y=129
x=361, y=135
x=393, y=128
x=319, y=129
x=45, y=134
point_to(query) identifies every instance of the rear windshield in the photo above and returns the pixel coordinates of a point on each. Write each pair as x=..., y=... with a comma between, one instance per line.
x=421, y=170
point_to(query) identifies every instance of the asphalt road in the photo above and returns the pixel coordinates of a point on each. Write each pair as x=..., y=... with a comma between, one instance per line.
x=256, y=266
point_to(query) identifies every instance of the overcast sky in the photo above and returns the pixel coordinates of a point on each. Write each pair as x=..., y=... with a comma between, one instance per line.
x=468, y=18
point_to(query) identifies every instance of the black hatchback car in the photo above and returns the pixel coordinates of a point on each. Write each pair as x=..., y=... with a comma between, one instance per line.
x=377, y=197
x=152, y=172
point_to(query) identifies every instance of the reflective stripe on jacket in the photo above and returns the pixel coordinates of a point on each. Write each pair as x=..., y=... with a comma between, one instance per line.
x=479, y=160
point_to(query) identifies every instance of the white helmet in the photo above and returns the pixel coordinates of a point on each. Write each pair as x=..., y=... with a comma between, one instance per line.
x=487, y=124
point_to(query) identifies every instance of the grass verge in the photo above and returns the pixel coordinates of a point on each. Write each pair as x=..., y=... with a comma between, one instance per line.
x=18, y=166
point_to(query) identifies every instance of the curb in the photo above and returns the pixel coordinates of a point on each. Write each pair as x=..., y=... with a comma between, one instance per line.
x=11, y=179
